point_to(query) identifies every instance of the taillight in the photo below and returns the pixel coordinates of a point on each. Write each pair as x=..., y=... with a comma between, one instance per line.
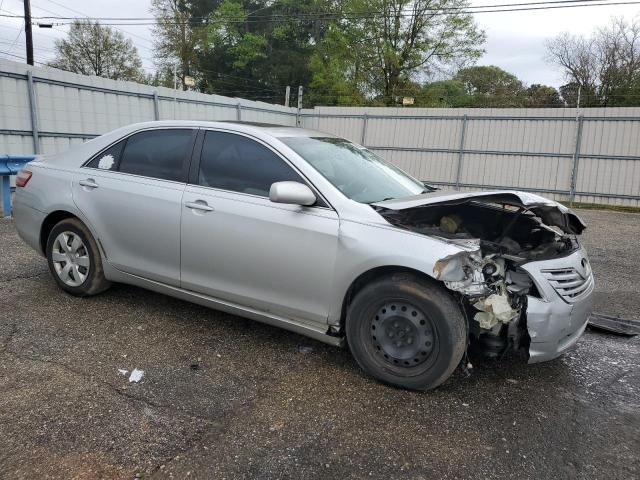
x=23, y=177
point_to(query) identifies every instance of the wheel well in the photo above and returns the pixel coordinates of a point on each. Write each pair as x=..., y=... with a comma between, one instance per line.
x=368, y=277
x=52, y=219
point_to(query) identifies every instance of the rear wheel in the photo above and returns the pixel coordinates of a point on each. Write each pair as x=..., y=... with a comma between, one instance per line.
x=406, y=331
x=74, y=259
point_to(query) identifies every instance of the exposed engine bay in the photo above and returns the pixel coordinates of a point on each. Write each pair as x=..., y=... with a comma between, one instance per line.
x=500, y=233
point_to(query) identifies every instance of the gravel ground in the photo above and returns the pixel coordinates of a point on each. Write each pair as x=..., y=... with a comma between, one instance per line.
x=223, y=397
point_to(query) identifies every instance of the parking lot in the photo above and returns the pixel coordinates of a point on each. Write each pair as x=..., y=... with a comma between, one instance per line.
x=224, y=397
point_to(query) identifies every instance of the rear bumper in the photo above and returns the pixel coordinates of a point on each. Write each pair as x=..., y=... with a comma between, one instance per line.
x=28, y=222
x=555, y=324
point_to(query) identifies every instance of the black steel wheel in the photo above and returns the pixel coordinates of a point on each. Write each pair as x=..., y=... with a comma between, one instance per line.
x=406, y=331
x=402, y=334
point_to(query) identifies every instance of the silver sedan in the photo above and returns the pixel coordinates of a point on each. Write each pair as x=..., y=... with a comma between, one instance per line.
x=315, y=234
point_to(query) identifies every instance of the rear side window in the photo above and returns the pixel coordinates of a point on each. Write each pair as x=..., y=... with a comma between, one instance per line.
x=109, y=159
x=157, y=153
x=236, y=163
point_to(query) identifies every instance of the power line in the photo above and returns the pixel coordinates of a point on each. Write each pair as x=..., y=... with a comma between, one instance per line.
x=87, y=16
x=76, y=11
x=242, y=17
x=522, y=7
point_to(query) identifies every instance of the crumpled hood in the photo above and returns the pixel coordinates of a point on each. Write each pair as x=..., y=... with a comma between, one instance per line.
x=552, y=213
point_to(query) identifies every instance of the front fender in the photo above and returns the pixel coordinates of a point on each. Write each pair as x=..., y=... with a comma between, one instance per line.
x=364, y=247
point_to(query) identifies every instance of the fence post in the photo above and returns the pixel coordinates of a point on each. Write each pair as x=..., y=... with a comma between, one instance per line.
x=156, y=106
x=239, y=111
x=33, y=112
x=6, y=196
x=463, y=134
x=299, y=111
x=576, y=158
x=365, y=120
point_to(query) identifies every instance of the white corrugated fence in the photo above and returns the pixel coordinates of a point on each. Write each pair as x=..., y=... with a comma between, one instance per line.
x=588, y=156
x=591, y=156
x=44, y=110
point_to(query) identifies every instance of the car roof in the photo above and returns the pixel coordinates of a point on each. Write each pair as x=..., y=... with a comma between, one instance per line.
x=273, y=130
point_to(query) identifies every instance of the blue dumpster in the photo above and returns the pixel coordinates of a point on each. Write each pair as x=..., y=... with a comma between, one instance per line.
x=10, y=165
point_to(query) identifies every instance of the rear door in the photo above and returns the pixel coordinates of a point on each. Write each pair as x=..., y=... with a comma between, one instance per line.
x=239, y=246
x=131, y=194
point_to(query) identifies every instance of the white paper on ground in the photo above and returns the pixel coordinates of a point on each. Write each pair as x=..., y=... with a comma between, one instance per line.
x=136, y=375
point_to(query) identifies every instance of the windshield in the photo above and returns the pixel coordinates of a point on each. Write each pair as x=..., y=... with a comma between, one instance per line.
x=354, y=170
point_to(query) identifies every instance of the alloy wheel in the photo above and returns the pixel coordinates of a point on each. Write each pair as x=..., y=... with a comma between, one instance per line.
x=70, y=258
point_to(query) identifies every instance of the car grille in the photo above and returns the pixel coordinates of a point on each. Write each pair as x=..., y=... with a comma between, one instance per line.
x=570, y=283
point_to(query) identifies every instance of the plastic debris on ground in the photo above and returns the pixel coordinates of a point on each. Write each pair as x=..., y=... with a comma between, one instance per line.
x=136, y=375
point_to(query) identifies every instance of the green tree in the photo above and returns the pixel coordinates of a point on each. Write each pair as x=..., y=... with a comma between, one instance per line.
x=254, y=49
x=445, y=93
x=491, y=86
x=336, y=76
x=93, y=49
x=393, y=41
x=572, y=90
x=540, y=96
x=177, y=37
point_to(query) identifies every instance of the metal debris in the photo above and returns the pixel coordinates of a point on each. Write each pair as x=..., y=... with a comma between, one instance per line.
x=620, y=326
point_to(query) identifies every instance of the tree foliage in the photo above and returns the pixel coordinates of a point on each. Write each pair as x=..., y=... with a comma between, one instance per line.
x=177, y=38
x=93, y=49
x=345, y=52
x=604, y=66
x=387, y=43
x=541, y=96
x=487, y=86
x=491, y=86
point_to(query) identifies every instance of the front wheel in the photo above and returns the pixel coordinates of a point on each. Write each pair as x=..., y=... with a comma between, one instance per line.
x=74, y=259
x=406, y=331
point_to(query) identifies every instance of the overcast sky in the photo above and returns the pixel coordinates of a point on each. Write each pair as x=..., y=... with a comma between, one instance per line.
x=515, y=41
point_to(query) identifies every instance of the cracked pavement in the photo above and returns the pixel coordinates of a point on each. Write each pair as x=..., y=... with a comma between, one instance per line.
x=224, y=397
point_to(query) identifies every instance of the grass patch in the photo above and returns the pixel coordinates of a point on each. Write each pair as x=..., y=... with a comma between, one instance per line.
x=602, y=206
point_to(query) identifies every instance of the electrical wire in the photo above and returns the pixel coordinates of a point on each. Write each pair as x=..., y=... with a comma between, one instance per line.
x=547, y=5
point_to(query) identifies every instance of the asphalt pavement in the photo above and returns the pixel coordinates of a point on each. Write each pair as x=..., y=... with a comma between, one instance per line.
x=223, y=397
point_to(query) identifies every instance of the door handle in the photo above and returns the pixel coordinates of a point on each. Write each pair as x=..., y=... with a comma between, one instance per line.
x=89, y=183
x=199, y=205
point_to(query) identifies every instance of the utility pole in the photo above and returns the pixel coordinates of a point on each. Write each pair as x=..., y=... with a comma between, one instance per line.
x=300, y=97
x=27, y=31
x=175, y=88
x=287, y=95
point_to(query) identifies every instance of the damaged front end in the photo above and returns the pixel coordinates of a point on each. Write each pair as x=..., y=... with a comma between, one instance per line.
x=502, y=235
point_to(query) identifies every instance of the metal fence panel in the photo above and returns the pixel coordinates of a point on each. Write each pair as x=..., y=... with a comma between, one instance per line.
x=591, y=156
x=588, y=156
x=55, y=109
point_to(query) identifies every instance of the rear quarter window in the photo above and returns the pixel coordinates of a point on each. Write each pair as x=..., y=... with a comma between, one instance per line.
x=109, y=158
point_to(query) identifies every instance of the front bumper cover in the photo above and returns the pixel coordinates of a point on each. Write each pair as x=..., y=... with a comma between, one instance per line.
x=555, y=324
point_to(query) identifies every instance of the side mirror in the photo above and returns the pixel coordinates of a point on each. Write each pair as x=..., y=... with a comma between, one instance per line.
x=294, y=193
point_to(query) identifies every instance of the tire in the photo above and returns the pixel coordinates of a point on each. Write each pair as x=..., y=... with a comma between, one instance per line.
x=85, y=275
x=406, y=331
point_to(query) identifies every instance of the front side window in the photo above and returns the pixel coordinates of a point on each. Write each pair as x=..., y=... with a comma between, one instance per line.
x=355, y=171
x=157, y=153
x=236, y=163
